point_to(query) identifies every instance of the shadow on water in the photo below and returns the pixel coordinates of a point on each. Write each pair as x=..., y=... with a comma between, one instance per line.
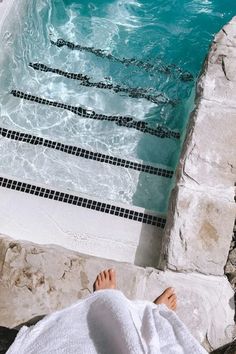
x=154, y=194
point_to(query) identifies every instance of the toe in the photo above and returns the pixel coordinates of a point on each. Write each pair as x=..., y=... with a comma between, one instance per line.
x=173, y=306
x=102, y=277
x=96, y=284
x=169, y=292
x=112, y=275
x=97, y=280
x=172, y=297
x=173, y=303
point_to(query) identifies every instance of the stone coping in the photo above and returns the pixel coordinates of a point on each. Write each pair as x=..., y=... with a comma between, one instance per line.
x=202, y=209
x=39, y=279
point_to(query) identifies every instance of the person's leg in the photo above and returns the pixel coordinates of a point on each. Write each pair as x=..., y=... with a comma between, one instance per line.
x=107, y=280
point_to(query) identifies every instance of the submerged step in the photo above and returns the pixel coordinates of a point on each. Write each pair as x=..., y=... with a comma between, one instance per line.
x=109, y=139
x=157, y=98
x=124, y=121
x=77, y=151
x=159, y=66
x=44, y=164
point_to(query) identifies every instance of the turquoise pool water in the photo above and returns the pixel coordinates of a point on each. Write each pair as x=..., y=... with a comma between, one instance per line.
x=154, y=47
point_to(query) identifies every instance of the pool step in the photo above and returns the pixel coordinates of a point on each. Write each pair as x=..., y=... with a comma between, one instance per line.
x=134, y=92
x=76, y=221
x=87, y=154
x=38, y=160
x=159, y=66
x=55, y=124
x=122, y=121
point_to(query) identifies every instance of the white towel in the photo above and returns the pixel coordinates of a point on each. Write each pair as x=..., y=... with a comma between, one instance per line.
x=108, y=323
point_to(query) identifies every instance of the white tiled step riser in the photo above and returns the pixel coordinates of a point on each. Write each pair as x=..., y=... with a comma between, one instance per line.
x=85, y=230
x=38, y=164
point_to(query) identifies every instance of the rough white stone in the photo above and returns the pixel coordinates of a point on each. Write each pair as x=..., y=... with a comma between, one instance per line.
x=218, y=82
x=227, y=35
x=210, y=157
x=202, y=209
x=200, y=233
x=36, y=280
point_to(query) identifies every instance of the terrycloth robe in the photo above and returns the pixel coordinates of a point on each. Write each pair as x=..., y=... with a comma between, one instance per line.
x=108, y=323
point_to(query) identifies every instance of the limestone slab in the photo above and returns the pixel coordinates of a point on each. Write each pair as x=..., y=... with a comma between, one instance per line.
x=38, y=279
x=209, y=158
x=202, y=209
x=199, y=231
x=218, y=82
x=227, y=36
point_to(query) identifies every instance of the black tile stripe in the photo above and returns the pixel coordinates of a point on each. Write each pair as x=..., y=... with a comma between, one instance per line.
x=124, y=121
x=74, y=150
x=85, y=81
x=171, y=69
x=82, y=202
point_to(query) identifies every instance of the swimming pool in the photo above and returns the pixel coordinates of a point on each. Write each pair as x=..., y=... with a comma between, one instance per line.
x=113, y=81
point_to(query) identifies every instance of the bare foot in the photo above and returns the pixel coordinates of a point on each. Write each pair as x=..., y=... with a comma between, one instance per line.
x=105, y=280
x=167, y=298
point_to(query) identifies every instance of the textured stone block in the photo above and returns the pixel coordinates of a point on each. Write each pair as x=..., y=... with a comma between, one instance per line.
x=218, y=81
x=210, y=151
x=202, y=209
x=199, y=232
x=227, y=36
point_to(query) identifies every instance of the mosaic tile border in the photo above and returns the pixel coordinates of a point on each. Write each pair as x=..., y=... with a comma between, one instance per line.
x=82, y=202
x=158, y=99
x=74, y=150
x=171, y=69
x=124, y=121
